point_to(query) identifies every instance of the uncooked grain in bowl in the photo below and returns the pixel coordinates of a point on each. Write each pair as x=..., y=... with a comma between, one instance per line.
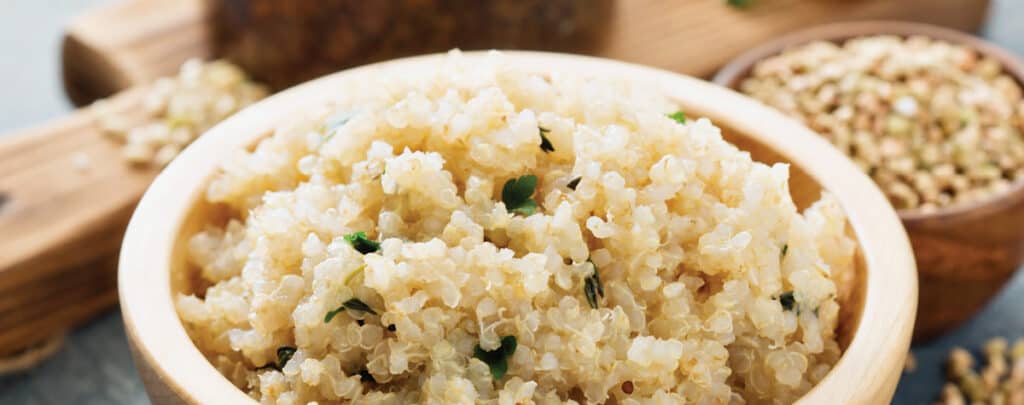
x=935, y=124
x=484, y=234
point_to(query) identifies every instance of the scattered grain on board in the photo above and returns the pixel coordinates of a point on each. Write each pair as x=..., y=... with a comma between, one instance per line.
x=177, y=110
x=81, y=162
x=999, y=382
x=933, y=123
x=910, y=363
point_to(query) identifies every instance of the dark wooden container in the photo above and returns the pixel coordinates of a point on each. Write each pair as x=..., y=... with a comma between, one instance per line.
x=282, y=42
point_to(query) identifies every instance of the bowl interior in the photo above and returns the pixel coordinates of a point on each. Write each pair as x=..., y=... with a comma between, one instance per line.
x=875, y=322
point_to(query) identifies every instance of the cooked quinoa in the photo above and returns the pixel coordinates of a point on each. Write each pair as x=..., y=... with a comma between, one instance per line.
x=392, y=248
x=177, y=109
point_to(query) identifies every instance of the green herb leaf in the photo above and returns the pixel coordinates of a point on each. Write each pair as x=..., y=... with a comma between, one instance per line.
x=497, y=360
x=739, y=3
x=352, y=275
x=509, y=345
x=365, y=376
x=332, y=313
x=356, y=305
x=678, y=116
x=597, y=279
x=284, y=353
x=787, y=300
x=517, y=195
x=499, y=367
x=359, y=241
x=592, y=287
x=573, y=183
x=545, y=143
x=353, y=304
x=588, y=289
x=526, y=208
x=785, y=248
x=337, y=121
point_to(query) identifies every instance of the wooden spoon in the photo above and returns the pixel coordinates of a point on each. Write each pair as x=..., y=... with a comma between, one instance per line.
x=66, y=195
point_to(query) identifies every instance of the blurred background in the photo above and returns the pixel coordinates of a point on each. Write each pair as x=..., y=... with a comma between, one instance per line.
x=93, y=366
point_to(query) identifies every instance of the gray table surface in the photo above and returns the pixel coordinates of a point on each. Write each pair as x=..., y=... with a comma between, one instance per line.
x=94, y=367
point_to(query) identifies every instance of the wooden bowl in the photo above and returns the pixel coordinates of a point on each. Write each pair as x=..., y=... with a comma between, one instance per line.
x=965, y=253
x=875, y=326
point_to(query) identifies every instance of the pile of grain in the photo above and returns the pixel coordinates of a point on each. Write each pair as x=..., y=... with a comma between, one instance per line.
x=478, y=233
x=179, y=109
x=933, y=123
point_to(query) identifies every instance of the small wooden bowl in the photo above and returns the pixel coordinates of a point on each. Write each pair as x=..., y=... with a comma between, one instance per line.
x=875, y=325
x=965, y=253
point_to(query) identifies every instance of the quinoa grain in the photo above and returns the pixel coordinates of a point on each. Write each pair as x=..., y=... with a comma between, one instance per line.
x=1001, y=381
x=178, y=110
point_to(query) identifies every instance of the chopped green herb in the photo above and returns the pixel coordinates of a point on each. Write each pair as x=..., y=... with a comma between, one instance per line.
x=509, y=345
x=545, y=143
x=590, y=290
x=573, y=183
x=739, y=3
x=356, y=305
x=352, y=275
x=359, y=241
x=785, y=248
x=178, y=120
x=332, y=313
x=678, y=116
x=353, y=304
x=517, y=195
x=365, y=376
x=592, y=287
x=337, y=121
x=787, y=300
x=284, y=353
x=597, y=279
x=497, y=359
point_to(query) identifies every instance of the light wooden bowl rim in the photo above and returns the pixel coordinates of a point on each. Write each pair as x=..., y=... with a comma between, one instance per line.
x=733, y=73
x=865, y=374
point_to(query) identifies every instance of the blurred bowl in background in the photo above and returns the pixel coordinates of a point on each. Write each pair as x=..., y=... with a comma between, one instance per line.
x=283, y=42
x=965, y=253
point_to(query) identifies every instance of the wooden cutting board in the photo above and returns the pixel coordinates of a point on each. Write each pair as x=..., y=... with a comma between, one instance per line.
x=62, y=224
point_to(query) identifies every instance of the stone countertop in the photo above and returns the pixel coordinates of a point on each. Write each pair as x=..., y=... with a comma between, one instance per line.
x=94, y=366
